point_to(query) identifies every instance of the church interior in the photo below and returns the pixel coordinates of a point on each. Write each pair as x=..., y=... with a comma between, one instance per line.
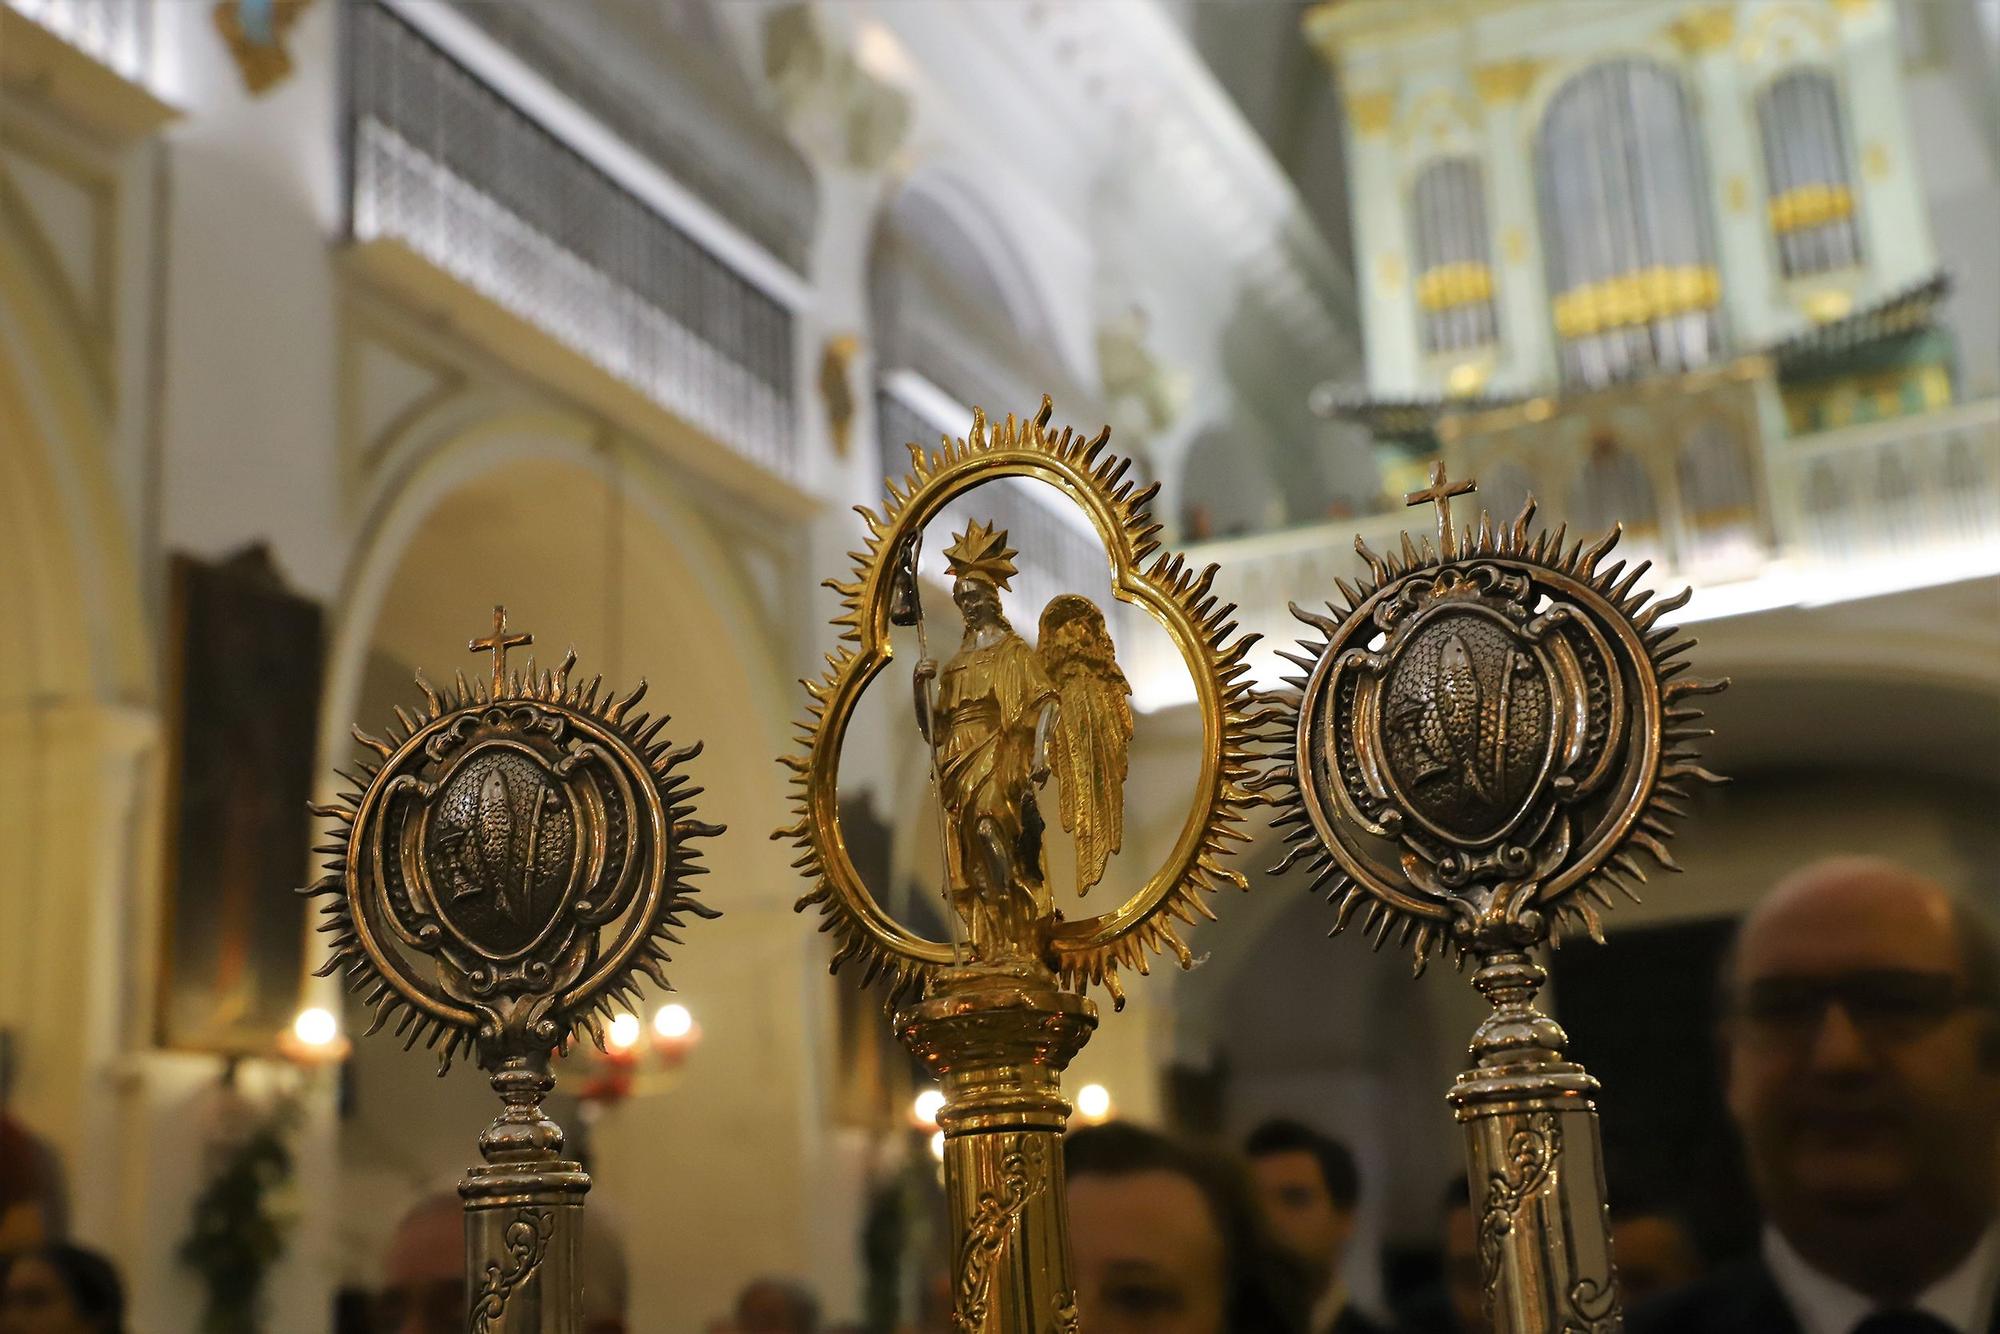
x=329, y=327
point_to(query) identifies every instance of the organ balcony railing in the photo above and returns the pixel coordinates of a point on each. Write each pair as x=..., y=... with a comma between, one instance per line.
x=1862, y=511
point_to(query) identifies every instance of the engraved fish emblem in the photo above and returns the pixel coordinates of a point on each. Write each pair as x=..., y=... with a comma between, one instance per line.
x=1446, y=717
x=483, y=852
x=492, y=837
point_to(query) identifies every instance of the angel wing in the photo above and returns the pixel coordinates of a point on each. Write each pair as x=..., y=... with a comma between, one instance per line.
x=1091, y=738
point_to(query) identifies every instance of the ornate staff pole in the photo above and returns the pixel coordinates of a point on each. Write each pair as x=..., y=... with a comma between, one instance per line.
x=512, y=856
x=998, y=1020
x=1487, y=732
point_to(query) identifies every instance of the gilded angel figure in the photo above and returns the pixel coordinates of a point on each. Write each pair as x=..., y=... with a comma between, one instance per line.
x=1004, y=718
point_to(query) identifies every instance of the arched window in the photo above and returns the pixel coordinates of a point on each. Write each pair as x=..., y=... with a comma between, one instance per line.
x=1900, y=501
x=1612, y=488
x=1967, y=492
x=1454, y=269
x=948, y=296
x=1718, y=496
x=955, y=324
x=1827, y=508
x=1625, y=225
x=1716, y=489
x=1807, y=184
x=1225, y=490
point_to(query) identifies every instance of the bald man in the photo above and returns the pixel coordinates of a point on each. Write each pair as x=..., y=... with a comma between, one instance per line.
x=1863, y=1067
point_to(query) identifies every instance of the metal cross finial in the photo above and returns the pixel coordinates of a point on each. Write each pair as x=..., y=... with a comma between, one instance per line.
x=497, y=644
x=1440, y=492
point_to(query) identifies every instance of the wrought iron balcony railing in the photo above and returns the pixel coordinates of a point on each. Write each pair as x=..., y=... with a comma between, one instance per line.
x=444, y=163
x=691, y=118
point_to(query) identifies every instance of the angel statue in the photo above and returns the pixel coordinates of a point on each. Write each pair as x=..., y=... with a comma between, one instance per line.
x=1004, y=717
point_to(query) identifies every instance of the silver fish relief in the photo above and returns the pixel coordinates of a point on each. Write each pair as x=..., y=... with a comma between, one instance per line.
x=1443, y=722
x=490, y=852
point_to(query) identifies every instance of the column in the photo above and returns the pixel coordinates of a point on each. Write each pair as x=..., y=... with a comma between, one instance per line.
x=1527, y=343
x=1381, y=248
x=1896, y=243
x=1751, y=299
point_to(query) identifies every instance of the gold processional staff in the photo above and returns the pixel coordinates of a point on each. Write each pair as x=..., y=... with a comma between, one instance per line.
x=512, y=856
x=998, y=1018
x=1487, y=733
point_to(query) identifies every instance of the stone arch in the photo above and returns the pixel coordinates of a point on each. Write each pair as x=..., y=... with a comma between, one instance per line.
x=1226, y=490
x=1298, y=1025
x=78, y=739
x=464, y=444
x=73, y=587
x=934, y=217
x=955, y=297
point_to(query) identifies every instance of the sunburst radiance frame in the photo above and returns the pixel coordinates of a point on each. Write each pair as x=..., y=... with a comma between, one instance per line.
x=1087, y=950
x=1342, y=842
x=611, y=776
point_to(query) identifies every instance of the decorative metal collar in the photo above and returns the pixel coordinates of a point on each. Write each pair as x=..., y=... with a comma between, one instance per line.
x=510, y=858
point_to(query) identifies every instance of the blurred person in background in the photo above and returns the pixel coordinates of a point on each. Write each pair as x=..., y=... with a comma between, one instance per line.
x=775, y=1306
x=1458, y=1304
x=1654, y=1247
x=59, y=1289
x=31, y=1189
x=1308, y=1187
x=423, y=1272
x=1167, y=1239
x=1862, y=1043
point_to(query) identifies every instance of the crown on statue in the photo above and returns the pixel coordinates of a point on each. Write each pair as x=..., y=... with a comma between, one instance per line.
x=981, y=552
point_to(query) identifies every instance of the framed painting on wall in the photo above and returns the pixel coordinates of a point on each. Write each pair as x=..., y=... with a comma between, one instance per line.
x=243, y=694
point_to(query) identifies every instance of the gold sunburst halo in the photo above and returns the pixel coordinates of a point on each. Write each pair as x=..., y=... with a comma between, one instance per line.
x=393, y=942
x=1083, y=951
x=981, y=552
x=1328, y=833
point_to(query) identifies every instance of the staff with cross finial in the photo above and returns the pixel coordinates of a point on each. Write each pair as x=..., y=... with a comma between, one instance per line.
x=1440, y=492
x=497, y=644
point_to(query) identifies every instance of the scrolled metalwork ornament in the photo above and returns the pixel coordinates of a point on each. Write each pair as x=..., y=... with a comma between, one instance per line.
x=998, y=1016
x=511, y=857
x=1489, y=732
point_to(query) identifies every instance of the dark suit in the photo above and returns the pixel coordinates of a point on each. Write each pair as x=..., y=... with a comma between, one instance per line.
x=1351, y=1321
x=1741, y=1299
